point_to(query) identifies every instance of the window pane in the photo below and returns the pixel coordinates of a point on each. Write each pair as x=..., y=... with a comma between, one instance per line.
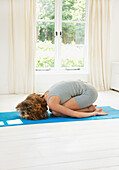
x=72, y=56
x=74, y=10
x=45, y=9
x=44, y=56
x=73, y=33
x=45, y=32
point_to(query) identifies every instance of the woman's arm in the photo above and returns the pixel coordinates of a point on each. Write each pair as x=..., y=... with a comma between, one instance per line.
x=54, y=105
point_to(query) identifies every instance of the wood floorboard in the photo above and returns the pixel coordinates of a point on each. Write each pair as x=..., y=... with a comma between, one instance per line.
x=84, y=145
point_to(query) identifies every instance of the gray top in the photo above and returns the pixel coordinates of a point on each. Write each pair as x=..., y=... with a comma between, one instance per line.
x=66, y=90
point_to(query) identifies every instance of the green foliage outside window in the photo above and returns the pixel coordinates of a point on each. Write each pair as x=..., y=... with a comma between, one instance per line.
x=45, y=58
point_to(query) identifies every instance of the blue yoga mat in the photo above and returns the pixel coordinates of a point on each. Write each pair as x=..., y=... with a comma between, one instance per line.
x=13, y=118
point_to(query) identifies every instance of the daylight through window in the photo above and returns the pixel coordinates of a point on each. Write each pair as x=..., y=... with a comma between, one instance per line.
x=61, y=34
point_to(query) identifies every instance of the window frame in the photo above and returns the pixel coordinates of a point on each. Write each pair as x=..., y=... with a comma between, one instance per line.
x=58, y=28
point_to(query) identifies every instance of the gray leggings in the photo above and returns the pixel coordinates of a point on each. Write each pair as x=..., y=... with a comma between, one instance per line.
x=88, y=97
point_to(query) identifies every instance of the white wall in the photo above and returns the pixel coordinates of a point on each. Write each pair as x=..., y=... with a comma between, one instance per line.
x=4, y=13
x=45, y=80
x=114, y=50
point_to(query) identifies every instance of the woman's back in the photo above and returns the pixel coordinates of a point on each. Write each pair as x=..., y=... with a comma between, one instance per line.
x=66, y=89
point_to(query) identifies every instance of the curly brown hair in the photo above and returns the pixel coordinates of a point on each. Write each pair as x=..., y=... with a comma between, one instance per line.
x=34, y=107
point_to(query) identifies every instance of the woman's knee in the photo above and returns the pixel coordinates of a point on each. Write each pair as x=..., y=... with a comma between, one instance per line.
x=55, y=113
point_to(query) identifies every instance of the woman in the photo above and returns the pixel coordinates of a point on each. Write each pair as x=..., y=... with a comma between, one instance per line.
x=66, y=98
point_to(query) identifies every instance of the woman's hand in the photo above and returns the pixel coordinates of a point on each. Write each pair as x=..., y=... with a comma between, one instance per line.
x=101, y=113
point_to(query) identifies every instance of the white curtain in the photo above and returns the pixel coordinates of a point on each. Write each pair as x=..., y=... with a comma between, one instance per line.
x=21, y=46
x=99, y=43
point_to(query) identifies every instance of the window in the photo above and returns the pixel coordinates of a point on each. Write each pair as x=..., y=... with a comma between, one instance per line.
x=61, y=34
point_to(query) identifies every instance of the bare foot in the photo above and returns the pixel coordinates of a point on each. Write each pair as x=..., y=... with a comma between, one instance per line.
x=98, y=109
x=92, y=108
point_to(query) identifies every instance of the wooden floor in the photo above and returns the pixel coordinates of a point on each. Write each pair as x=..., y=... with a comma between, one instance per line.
x=83, y=145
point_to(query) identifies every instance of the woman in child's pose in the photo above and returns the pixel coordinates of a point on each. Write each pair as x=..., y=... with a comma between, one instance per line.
x=66, y=98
